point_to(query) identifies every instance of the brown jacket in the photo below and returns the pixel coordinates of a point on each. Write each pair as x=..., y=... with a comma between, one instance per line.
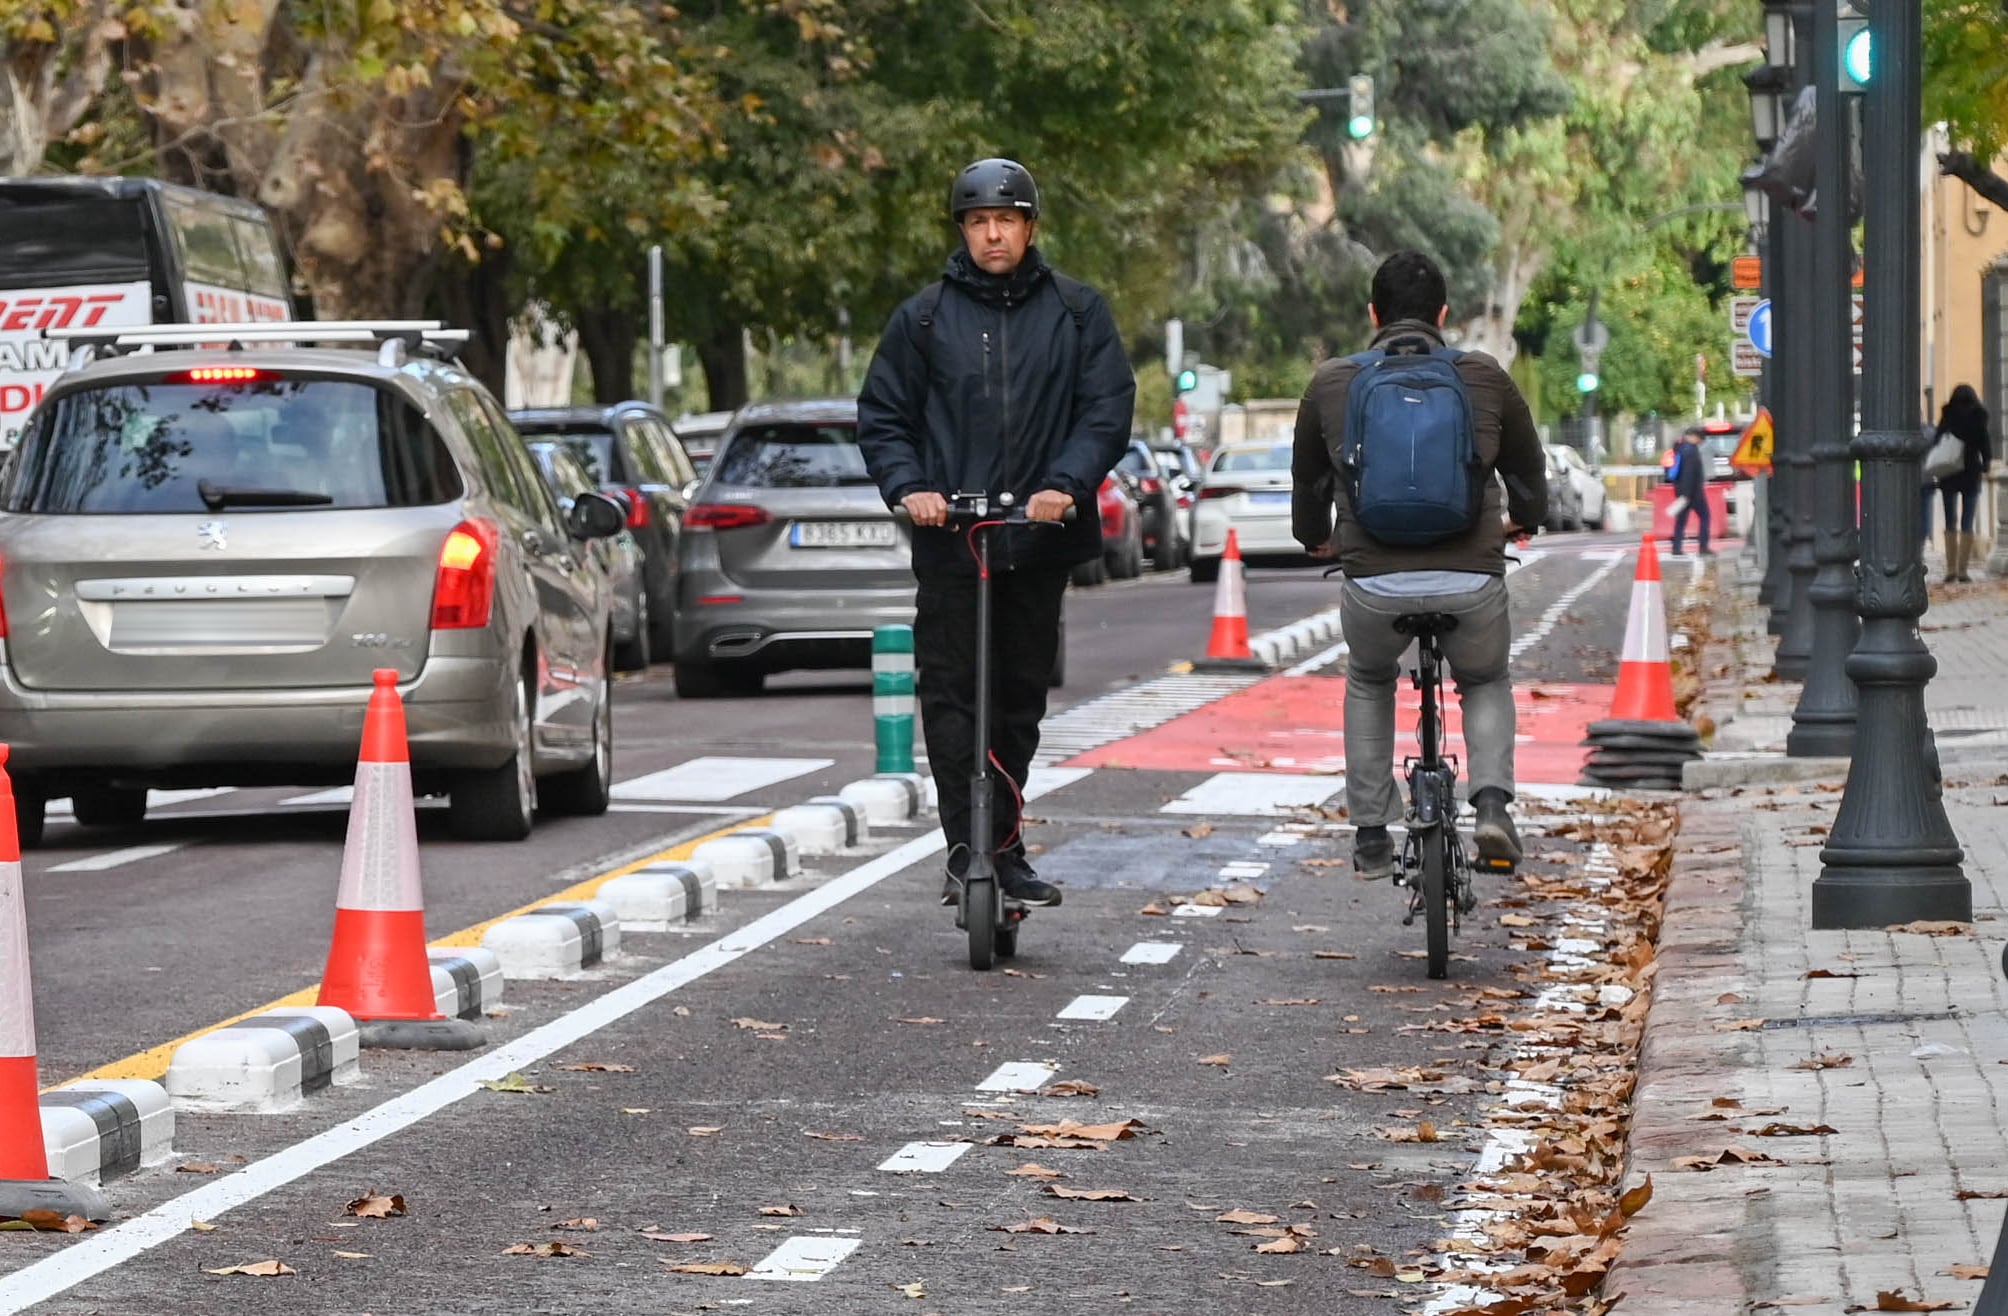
x=1507, y=442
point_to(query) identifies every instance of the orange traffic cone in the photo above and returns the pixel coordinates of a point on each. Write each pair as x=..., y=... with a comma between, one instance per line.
x=1227, y=646
x=24, y=1161
x=1645, y=673
x=377, y=966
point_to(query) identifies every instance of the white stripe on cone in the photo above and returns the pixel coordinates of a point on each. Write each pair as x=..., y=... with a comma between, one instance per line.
x=1645, y=628
x=380, y=862
x=17, y=1001
x=1230, y=598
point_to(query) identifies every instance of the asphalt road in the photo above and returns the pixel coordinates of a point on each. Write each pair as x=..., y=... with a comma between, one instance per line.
x=786, y=1049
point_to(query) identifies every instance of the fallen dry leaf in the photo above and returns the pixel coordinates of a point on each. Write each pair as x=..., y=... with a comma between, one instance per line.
x=810, y=941
x=1928, y=927
x=202, y=1226
x=657, y=1236
x=1635, y=1199
x=197, y=1167
x=1825, y=1060
x=1300, y=1000
x=1243, y=1216
x=1425, y=1131
x=707, y=1268
x=1093, y=1132
x=584, y=1224
x=1727, y=1156
x=259, y=1268
x=832, y=1137
x=1042, y=1225
x=705, y=1130
x=353, y=1256
x=1287, y=1243
x=759, y=1026
x=376, y=1206
x=42, y=1220
x=921, y=1019
x=1776, y=1130
x=551, y=1249
x=913, y=1290
x=1072, y=1087
x=1964, y=1270
x=1515, y=921
x=1090, y=1194
x=1975, y=1194
x=1199, y=831
x=1739, y=1026
x=1223, y=1059
x=1333, y=955
x=1155, y=910
x=513, y=1083
x=1034, y=1170
x=789, y=1209
x=597, y=1067
x=1896, y=1300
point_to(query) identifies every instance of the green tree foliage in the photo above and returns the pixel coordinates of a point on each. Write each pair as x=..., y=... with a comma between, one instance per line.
x=1966, y=86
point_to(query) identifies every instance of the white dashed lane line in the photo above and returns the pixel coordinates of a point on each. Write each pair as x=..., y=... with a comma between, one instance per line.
x=1152, y=952
x=925, y=1157
x=1018, y=1076
x=98, y=863
x=1093, y=1008
x=804, y=1257
x=1196, y=911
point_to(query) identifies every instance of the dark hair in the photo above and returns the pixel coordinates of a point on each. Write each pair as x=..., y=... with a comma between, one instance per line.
x=1963, y=397
x=1409, y=286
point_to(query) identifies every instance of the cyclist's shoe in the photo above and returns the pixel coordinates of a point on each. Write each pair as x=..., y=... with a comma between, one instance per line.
x=1498, y=840
x=1023, y=885
x=952, y=874
x=1373, y=854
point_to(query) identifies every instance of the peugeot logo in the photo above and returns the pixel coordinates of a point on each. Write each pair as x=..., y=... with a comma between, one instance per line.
x=213, y=534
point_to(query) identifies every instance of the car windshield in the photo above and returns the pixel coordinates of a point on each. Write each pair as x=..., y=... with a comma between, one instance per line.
x=267, y=444
x=593, y=445
x=1275, y=458
x=794, y=456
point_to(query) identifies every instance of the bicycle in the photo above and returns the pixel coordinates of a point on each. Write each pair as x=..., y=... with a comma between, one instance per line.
x=1435, y=868
x=990, y=918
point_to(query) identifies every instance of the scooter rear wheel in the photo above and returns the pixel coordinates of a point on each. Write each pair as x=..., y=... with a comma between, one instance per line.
x=1007, y=937
x=979, y=915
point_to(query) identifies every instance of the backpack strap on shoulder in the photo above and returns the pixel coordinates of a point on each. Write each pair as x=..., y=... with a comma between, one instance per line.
x=925, y=305
x=1074, y=296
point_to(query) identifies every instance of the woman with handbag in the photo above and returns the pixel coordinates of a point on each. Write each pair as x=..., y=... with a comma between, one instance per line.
x=1963, y=421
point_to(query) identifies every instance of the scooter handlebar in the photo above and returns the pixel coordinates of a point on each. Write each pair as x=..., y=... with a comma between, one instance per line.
x=965, y=509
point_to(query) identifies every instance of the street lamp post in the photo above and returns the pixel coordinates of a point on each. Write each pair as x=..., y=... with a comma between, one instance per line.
x=1768, y=85
x=1791, y=323
x=1892, y=856
x=1823, y=725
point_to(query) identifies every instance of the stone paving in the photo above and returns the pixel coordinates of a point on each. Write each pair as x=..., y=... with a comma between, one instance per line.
x=1897, y=1041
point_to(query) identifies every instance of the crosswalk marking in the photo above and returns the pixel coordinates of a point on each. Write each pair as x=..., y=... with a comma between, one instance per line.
x=1152, y=952
x=1094, y=1008
x=1123, y=713
x=1255, y=794
x=1018, y=1076
x=716, y=778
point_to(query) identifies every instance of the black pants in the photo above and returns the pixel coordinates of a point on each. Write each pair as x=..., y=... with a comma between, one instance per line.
x=1697, y=508
x=1025, y=639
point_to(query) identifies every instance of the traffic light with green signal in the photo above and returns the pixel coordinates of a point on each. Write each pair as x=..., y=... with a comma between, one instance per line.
x=1188, y=379
x=1360, y=121
x=1857, y=47
x=1587, y=382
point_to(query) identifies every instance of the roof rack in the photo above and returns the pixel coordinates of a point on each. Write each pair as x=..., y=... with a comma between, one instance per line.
x=397, y=337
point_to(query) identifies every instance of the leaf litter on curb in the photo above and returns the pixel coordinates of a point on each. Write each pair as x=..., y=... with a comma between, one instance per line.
x=373, y=1205
x=41, y=1220
x=1041, y=1225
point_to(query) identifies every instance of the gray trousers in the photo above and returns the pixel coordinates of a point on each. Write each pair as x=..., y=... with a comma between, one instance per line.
x=1478, y=653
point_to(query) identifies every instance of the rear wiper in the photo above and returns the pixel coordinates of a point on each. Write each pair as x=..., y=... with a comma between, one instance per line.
x=216, y=497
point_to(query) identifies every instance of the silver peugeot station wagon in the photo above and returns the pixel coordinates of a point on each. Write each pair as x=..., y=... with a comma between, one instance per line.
x=206, y=551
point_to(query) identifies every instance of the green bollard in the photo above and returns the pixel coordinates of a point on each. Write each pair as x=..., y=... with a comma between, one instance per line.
x=892, y=697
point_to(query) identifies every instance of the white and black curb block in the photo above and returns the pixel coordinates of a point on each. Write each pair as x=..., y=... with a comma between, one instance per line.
x=826, y=825
x=753, y=857
x=99, y=1130
x=657, y=898
x=1300, y=639
x=556, y=941
x=466, y=980
x=889, y=799
x=267, y=1062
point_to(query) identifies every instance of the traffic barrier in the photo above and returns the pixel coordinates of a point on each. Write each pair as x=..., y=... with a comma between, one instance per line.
x=892, y=697
x=100, y=1130
x=268, y=1062
x=885, y=801
x=25, y=1184
x=1643, y=744
x=560, y=940
x=1227, y=647
x=752, y=857
x=657, y=898
x=824, y=826
x=378, y=971
x=466, y=982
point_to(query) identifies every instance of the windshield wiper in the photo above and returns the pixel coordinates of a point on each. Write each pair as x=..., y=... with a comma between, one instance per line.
x=216, y=497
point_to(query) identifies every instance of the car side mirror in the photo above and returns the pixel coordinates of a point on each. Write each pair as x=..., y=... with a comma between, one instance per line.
x=690, y=490
x=595, y=516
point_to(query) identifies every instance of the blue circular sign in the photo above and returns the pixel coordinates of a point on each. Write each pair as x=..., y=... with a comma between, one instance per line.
x=1759, y=332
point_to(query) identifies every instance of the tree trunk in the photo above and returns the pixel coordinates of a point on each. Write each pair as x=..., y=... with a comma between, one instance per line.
x=1491, y=330
x=45, y=88
x=609, y=338
x=723, y=353
x=476, y=298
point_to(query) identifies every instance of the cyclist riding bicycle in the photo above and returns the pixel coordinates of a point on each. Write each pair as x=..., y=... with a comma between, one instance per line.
x=1420, y=528
x=1005, y=377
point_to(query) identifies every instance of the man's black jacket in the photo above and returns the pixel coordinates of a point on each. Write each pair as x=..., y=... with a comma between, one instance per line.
x=1008, y=388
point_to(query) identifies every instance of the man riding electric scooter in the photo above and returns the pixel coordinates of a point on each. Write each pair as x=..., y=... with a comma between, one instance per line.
x=1005, y=381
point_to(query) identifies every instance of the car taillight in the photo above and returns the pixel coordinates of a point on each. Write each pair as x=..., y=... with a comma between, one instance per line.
x=724, y=516
x=1151, y=486
x=463, y=595
x=1221, y=491
x=638, y=510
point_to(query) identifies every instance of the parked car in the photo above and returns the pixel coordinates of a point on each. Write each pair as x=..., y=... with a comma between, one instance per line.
x=1122, y=535
x=1164, y=530
x=700, y=432
x=1592, y=499
x=790, y=557
x=630, y=449
x=1181, y=462
x=1246, y=488
x=1565, y=501
x=620, y=557
x=209, y=552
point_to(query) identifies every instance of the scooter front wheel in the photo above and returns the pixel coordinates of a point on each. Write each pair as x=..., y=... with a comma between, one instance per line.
x=979, y=915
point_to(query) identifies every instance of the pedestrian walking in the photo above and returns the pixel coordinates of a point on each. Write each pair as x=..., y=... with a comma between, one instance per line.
x=1421, y=526
x=1005, y=378
x=1690, y=490
x=1964, y=418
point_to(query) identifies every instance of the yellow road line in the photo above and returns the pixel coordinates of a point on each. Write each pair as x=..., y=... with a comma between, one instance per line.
x=152, y=1063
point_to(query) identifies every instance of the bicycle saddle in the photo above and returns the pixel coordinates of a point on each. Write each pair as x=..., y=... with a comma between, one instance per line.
x=1425, y=623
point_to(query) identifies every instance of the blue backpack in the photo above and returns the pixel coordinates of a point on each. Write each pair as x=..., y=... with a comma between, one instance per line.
x=1411, y=451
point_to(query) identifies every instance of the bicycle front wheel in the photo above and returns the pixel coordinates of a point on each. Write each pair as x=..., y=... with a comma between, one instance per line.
x=1436, y=897
x=979, y=913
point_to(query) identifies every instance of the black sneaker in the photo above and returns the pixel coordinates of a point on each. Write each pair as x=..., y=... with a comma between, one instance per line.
x=1498, y=840
x=1023, y=885
x=1373, y=854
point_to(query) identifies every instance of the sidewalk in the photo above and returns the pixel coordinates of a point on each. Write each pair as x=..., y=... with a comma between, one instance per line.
x=1763, y=1033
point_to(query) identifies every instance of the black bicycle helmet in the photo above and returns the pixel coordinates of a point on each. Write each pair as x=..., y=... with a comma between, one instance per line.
x=1002, y=184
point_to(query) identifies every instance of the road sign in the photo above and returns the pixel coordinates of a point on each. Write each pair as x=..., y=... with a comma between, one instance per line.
x=1746, y=273
x=1758, y=331
x=1753, y=453
x=1740, y=309
x=1592, y=336
x=1744, y=359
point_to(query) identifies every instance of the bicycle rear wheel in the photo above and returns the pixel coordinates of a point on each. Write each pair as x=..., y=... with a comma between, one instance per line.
x=979, y=914
x=1436, y=897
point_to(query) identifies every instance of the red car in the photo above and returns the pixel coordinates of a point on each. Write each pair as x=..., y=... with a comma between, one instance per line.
x=1122, y=536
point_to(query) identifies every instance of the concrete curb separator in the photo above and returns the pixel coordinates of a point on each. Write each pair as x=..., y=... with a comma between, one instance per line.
x=560, y=940
x=753, y=857
x=820, y=827
x=662, y=895
x=95, y=1132
x=466, y=981
x=268, y=1062
x=1300, y=639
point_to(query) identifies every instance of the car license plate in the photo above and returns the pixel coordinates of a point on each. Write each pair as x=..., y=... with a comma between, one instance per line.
x=1269, y=497
x=843, y=534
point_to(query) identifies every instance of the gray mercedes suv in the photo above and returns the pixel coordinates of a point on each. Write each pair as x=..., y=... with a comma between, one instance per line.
x=205, y=553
